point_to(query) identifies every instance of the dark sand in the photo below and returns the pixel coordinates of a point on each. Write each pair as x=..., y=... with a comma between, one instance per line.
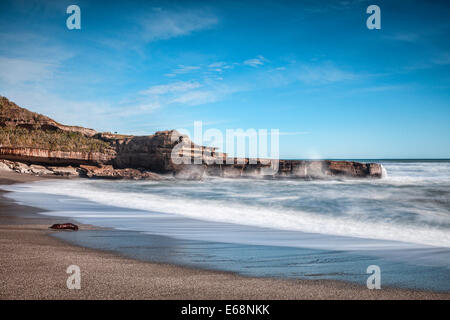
x=33, y=266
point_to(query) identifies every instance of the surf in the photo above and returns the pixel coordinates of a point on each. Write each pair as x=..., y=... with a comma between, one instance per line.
x=390, y=209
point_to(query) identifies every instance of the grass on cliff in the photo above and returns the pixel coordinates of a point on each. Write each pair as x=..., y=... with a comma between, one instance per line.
x=9, y=109
x=50, y=140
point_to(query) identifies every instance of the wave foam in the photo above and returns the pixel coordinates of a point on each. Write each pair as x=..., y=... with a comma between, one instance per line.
x=260, y=216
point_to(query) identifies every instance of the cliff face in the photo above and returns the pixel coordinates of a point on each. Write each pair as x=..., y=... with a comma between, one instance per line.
x=36, y=139
x=149, y=152
x=156, y=153
x=43, y=156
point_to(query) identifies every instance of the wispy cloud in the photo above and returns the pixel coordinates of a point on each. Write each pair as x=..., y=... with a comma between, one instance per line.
x=216, y=67
x=133, y=109
x=219, y=64
x=191, y=93
x=30, y=57
x=181, y=92
x=375, y=89
x=405, y=36
x=15, y=71
x=197, y=97
x=442, y=58
x=293, y=133
x=323, y=74
x=179, y=86
x=182, y=69
x=438, y=59
x=163, y=24
x=255, y=62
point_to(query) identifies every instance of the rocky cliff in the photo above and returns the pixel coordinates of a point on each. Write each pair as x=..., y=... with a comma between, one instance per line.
x=32, y=138
x=45, y=156
x=13, y=116
x=156, y=153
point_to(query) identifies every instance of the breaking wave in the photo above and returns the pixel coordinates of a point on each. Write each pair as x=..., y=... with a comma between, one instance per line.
x=411, y=204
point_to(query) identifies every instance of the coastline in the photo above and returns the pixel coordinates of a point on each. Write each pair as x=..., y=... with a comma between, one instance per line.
x=33, y=266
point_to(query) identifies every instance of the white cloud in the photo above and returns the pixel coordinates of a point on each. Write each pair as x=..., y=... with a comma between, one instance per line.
x=405, y=37
x=182, y=69
x=15, y=71
x=196, y=97
x=219, y=64
x=178, y=86
x=219, y=67
x=380, y=88
x=187, y=92
x=323, y=74
x=255, y=62
x=139, y=109
x=162, y=24
x=180, y=92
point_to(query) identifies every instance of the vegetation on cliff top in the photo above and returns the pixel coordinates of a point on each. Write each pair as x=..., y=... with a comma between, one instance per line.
x=9, y=110
x=21, y=128
x=50, y=140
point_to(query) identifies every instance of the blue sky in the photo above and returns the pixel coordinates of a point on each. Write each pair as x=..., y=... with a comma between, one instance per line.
x=311, y=69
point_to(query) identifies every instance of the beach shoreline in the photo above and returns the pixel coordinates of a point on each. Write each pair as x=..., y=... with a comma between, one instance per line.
x=33, y=266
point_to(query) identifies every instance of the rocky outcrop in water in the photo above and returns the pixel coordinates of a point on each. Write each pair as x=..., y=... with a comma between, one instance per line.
x=300, y=169
x=156, y=153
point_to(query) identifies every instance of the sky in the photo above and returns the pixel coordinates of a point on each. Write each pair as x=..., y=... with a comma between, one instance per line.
x=311, y=69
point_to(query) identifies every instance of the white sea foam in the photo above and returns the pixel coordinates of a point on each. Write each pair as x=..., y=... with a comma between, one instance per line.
x=375, y=209
x=383, y=172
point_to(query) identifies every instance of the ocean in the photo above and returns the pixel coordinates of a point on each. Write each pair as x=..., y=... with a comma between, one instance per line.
x=288, y=228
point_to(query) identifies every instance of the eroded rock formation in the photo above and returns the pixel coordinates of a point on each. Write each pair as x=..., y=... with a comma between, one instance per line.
x=138, y=157
x=159, y=152
x=109, y=172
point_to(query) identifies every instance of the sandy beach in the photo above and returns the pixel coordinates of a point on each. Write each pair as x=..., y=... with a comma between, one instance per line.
x=33, y=266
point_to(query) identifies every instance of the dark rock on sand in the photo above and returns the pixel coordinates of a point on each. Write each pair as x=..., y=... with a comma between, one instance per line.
x=64, y=226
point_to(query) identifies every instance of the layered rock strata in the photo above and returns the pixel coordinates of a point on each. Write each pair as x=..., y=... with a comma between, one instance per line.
x=136, y=157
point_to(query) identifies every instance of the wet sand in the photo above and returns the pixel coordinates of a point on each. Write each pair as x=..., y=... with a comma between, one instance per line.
x=33, y=266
